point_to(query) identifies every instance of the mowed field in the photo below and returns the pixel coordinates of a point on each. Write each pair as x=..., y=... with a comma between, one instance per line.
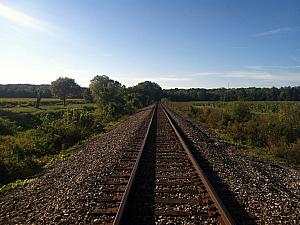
x=264, y=128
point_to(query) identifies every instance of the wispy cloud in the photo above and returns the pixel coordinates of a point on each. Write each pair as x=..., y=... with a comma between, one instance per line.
x=273, y=67
x=295, y=59
x=107, y=55
x=272, y=32
x=163, y=78
x=272, y=75
x=21, y=18
x=262, y=75
x=259, y=73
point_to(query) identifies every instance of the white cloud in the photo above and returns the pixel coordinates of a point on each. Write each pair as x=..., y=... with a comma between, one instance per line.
x=295, y=59
x=273, y=67
x=107, y=55
x=21, y=18
x=164, y=78
x=272, y=32
x=249, y=75
x=257, y=75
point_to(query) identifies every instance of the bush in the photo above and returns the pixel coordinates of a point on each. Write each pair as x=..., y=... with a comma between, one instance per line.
x=273, y=127
x=217, y=118
x=294, y=152
x=14, y=162
x=20, y=154
x=7, y=127
x=240, y=111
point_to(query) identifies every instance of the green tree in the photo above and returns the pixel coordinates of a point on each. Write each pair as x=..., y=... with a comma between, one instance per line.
x=87, y=95
x=148, y=92
x=64, y=88
x=39, y=93
x=109, y=95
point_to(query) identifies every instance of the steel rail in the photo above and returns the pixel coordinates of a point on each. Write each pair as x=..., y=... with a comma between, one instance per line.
x=122, y=207
x=226, y=217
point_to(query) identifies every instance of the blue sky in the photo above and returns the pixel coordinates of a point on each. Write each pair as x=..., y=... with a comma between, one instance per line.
x=201, y=43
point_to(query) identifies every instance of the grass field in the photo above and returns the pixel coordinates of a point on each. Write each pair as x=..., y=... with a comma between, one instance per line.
x=31, y=137
x=255, y=107
x=269, y=129
x=24, y=102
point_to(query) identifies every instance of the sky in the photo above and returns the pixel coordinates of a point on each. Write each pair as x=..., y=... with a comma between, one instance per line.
x=178, y=43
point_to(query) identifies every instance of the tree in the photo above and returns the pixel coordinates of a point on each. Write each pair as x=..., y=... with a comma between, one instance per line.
x=64, y=88
x=39, y=93
x=148, y=92
x=87, y=95
x=109, y=95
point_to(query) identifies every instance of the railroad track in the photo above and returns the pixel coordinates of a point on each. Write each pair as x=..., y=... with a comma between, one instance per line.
x=161, y=183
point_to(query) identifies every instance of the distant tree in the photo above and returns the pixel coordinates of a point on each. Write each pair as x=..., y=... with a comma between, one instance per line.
x=148, y=92
x=64, y=88
x=233, y=94
x=109, y=95
x=23, y=90
x=87, y=95
x=39, y=93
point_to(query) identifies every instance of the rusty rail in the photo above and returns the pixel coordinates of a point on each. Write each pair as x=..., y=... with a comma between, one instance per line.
x=120, y=214
x=225, y=216
x=227, y=219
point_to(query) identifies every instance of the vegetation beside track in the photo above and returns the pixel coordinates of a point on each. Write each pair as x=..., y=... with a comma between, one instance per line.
x=268, y=129
x=33, y=135
x=30, y=140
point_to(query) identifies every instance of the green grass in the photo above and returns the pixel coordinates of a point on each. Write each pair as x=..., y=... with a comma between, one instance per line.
x=266, y=129
x=43, y=100
x=47, y=161
x=15, y=184
x=31, y=109
x=255, y=106
x=30, y=102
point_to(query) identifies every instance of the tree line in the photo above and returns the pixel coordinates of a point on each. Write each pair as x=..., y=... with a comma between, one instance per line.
x=192, y=94
x=234, y=94
x=32, y=91
x=30, y=141
x=113, y=98
x=24, y=90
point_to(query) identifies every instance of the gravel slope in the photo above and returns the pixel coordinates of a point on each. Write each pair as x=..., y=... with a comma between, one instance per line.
x=67, y=193
x=269, y=191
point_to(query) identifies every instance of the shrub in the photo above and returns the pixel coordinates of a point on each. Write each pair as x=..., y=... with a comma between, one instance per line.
x=58, y=130
x=7, y=127
x=240, y=111
x=294, y=152
x=216, y=118
x=272, y=127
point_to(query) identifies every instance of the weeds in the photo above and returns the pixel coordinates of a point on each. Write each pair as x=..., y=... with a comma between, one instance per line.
x=271, y=127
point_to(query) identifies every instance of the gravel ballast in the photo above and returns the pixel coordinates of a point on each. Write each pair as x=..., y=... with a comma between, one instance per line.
x=269, y=191
x=68, y=191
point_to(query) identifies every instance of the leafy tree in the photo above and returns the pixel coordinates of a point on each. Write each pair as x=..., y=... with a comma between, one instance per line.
x=148, y=92
x=114, y=99
x=39, y=93
x=23, y=90
x=109, y=95
x=87, y=95
x=64, y=87
x=234, y=94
